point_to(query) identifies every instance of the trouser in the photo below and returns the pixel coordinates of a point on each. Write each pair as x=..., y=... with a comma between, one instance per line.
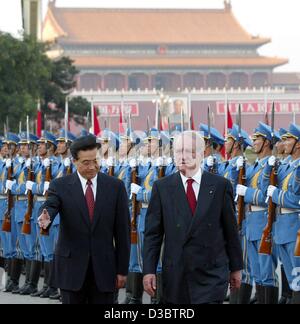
x=291, y=264
x=263, y=267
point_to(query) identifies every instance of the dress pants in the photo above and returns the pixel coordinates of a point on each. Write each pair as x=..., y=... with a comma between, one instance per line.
x=88, y=294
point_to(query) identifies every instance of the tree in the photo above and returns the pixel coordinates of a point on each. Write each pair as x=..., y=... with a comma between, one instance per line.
x=27, y=74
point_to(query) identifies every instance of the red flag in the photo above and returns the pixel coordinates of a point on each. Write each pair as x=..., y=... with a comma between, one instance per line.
x=267, y=118
x=192, y=122
x=121, y=127
x=97, y=129
x=39, y=122
x=228, y=125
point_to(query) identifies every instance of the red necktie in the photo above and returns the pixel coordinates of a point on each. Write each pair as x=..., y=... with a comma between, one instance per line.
x=89, y=196
x=190, y=193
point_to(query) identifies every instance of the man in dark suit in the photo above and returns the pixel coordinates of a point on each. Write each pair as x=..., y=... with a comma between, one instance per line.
x=92, y=253
x=192, y=214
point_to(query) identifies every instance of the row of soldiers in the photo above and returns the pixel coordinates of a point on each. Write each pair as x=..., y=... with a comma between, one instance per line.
x=138, y=159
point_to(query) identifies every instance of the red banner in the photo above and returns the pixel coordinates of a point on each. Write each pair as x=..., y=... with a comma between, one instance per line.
x=113, y=109
x=258, y=108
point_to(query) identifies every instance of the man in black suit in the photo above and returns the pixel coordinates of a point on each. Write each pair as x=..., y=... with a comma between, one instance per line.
x=192, y=214
x=92, y=253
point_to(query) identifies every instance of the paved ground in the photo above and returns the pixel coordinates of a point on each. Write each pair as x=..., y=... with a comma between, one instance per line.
x=8, y=298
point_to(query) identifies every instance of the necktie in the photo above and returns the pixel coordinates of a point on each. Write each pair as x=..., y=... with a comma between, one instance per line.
x=89, y=196
x=190, y=193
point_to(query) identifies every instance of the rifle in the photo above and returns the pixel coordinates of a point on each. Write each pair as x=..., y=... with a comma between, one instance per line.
x=161, y=171
x=48, y=178
x=212, y=169
x=135, y=204
x=171, y=141
x=266, y=240
x=242, y=176
x=297, y=247
x=26, y=227
x=6, y=226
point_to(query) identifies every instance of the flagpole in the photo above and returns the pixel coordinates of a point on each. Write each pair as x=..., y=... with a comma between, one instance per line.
x=92, y=116
x=226, y=112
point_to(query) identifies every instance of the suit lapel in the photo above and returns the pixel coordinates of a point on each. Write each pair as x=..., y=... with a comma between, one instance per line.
x=100, y=200
x=183, y=214
x=79, y=199
x=205, y=199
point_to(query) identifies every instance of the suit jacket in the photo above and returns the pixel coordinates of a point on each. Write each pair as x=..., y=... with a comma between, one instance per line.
x=200, y=250
x=105, y=241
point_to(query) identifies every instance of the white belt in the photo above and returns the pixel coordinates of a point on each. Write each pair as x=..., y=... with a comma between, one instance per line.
x=288, y=211
x=2, y=197
x=145, y=205
x=21, y=198
x=257, y=208
x=39, y=198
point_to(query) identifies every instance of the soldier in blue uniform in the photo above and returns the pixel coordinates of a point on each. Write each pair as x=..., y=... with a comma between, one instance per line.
x=14, y=264
x=234, y=149
x=263, y=267
x=286, y=197
x=18, y=189
x=33, y=262
x=148, y=174
x=47, y=145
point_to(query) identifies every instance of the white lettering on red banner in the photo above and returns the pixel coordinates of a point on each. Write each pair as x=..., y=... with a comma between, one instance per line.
x=257, y=108
x=114, y=109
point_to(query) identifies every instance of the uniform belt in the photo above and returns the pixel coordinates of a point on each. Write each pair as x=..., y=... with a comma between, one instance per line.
x=285, y=211
x=2, y=197
x=21, y=198
x=145, y=205
x=40, y=198
x=253, y=208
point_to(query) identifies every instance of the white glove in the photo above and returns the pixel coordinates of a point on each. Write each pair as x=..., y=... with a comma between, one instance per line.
x=8, y=163
x=110, y=162
x=133, y=163
x=210, y=161
x=28, y=163
x=103, y=163
x=46, y=187
x=9, y=184
x=46, y=163
x=169, y=161
x=148, y=160
x=241, y=190
x=29, y=185
x=159, y=162
x=272, y=161
x=271, y=190
x=135, y=188
x=240, y=162
x=21, y=160
x=67, y=162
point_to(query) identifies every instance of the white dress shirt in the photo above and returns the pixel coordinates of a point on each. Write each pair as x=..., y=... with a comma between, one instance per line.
x=196, y=184
x=84, y=184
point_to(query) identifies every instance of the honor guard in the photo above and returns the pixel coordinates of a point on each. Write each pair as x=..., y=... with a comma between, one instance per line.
x=14, y=259
x=287, y=196
x=235, y=147
x=46, y=169
x=263, y=267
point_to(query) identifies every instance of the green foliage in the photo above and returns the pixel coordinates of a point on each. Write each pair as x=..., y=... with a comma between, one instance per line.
x=27, y=74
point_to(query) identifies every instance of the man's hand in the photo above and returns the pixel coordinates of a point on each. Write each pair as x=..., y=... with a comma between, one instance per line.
x=121, y=281
x=44, y=220
x=150, y=284
x=235, y=280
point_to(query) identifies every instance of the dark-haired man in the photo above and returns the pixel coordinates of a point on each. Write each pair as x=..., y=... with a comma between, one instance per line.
x=92, y=253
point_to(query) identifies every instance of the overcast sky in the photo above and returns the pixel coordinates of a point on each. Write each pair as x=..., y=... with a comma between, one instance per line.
x=277, y=19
